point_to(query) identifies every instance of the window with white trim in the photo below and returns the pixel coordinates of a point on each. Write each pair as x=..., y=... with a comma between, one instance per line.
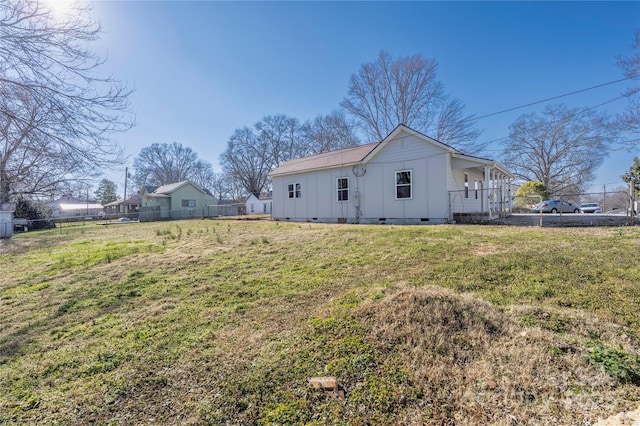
x=294, y=190
x=466, y=185
x=342, y=186
x=403, y=185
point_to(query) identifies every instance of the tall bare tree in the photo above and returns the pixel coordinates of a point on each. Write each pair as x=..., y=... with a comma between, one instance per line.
x=163, y=164
x=282, y=139
x=457, y=129
x=254, y=152
x=247, y=160
x=329, y=133
x=560, y=147
x=629, y=120
x=389, y=92
x=56, y=113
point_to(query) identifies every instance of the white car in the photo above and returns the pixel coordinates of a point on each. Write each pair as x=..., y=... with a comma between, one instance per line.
x=590, y=208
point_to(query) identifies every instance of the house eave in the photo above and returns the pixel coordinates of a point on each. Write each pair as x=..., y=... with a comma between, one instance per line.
x=484, y=162
x=315, y=169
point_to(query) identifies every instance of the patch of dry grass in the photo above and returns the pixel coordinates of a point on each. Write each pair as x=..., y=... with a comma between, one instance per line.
x=475, y=364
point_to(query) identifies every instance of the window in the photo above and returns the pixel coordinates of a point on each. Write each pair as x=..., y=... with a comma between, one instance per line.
x=294, y=190
x=188, y=203
x=343, y=189
x=466, y=185
x=475, y=187
x=403, y=184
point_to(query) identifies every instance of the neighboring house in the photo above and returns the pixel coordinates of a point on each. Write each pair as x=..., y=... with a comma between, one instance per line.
x=179, y=200
x=258, y=204
x=129, y=207
x=68, y=206
x=406, y=178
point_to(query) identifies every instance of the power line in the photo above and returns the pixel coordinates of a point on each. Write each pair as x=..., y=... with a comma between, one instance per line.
x=554, y=98
x=474, y=118
x=578, y=112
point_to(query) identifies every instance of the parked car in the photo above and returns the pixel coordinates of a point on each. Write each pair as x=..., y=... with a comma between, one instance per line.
x=21, y=225
x=590, y=208
x=555, y=206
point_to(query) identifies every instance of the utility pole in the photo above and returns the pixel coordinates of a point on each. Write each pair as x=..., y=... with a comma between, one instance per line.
x=126, y=175
x=604, y=197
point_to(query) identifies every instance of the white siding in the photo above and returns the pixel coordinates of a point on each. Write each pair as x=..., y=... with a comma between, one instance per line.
x=319, y=197
x=459, y=203
x=432, y=178
x=406, y=147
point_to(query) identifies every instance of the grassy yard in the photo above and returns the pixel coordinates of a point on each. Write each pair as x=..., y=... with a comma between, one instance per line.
x=224, y=322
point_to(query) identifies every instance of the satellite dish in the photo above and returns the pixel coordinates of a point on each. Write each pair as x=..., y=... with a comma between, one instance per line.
x=359, y=171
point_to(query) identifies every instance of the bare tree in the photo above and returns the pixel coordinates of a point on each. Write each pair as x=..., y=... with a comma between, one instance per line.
x=247, y=160
x=629, y=121
x=56, y=112
x=282, y=139
x=388, y=92
x=456, y=128
x=329, y=133
x=163, y=164
x=560, y=147
x=252, y=153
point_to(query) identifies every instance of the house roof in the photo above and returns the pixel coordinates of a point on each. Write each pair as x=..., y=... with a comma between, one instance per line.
x=363, y=153
x=346, y=156
x=133, y=200
x=165, y=191
x=168, y=189
x=79, y=206
x=149, y=188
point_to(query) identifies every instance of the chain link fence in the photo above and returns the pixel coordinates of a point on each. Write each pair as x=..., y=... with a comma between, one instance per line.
x=596, y=208
x=144, y=214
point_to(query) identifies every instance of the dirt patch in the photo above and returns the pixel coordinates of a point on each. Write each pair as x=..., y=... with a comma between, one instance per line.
x=630, y=418
x=486, y=249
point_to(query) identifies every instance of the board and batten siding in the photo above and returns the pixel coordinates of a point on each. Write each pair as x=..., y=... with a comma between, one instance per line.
x=319, y=197
x=376, y=189
x=437, y=184
x=428, y=164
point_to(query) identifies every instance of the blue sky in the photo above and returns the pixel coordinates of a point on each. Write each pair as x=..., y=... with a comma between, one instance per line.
x=203, y=69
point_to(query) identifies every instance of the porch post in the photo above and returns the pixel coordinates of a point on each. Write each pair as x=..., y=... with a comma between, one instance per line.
x=487, y=191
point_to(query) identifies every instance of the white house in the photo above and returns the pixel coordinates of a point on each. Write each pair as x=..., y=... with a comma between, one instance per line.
x=68, y=206
x=407, y=178
x=260, y=204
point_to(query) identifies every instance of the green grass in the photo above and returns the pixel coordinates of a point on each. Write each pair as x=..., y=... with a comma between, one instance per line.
x=224, y=322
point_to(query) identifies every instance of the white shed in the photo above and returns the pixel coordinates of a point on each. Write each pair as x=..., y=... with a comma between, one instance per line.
x=258, y=204
x=406, y=178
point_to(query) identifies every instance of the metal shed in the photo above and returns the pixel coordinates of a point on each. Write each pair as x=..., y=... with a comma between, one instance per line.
x=6, y=219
